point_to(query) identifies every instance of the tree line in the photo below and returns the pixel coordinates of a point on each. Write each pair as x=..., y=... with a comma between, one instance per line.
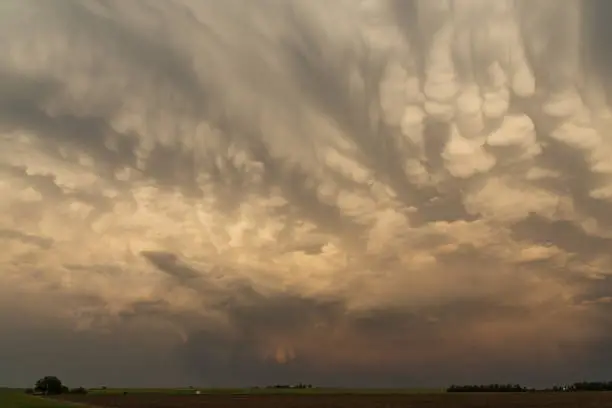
x=290, y=386
x=487, y=388
x=575, y=387
x=588, y=386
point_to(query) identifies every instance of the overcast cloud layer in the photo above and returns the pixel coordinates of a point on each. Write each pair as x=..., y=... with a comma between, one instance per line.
x=375, y=192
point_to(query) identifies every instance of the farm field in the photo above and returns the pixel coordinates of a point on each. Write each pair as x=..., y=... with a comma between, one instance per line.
x=10, y=398
x=264, y=391
x=318, y=400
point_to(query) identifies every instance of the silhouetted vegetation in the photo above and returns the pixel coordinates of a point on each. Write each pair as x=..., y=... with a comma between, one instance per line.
x=487, y=388
x=576, y=387
x=49, y=385
x=592, y=386
x=299, y=386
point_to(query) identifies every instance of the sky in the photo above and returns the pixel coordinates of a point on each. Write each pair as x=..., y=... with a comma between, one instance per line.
x=358, y=193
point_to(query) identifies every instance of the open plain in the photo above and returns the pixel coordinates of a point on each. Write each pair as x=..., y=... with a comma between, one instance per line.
x=441, y=400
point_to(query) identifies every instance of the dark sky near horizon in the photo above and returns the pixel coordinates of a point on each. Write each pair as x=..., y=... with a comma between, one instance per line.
x=375, y=193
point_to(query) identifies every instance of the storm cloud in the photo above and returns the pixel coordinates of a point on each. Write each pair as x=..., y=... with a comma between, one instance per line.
x=371, y=192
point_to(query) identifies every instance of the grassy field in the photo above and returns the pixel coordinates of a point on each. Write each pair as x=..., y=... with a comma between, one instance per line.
x=12, y=398
x=155, y=398
x=16, y=398
x=265, y=391
x=304, y=398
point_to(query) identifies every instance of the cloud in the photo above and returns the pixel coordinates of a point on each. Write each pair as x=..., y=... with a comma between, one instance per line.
x=346, y=192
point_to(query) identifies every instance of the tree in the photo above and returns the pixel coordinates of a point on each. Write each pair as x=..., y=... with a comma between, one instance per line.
x=49, y=385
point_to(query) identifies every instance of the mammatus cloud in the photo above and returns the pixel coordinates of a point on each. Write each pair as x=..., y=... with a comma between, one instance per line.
x=382, y=188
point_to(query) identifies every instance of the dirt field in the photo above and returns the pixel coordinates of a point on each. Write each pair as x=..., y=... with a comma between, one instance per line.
x=526, y=400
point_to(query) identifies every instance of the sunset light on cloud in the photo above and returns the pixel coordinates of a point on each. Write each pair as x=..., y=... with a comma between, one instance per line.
x=339, y=191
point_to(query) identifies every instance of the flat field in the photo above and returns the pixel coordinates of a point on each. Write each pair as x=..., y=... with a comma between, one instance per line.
x=348, y=400
x=13, y=398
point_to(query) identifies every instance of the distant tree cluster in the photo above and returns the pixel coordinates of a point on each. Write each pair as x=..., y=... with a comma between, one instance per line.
x=591, y=386
x=487, y=388
x=579, y=386
x=582, y=386
x=51, y=385
x=288, y=386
